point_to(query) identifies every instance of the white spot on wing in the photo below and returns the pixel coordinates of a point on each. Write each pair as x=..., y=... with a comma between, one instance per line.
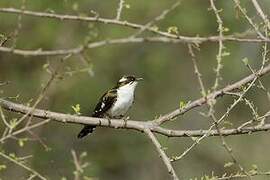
x=102, y=105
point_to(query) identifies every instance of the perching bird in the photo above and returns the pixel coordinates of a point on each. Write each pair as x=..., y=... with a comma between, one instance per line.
x=114, y=103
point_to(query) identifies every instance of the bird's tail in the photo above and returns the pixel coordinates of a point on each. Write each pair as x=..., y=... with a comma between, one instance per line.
x=86, y=130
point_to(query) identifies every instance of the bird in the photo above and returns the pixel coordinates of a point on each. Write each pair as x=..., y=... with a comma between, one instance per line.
x=114, y=103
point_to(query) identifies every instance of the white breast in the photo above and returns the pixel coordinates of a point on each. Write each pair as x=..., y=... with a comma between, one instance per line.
x=125, y=97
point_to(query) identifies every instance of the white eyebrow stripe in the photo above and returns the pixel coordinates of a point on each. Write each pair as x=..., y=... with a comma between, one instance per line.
x=123, y=79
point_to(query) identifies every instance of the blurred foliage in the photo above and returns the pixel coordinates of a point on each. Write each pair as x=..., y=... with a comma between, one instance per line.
x=169, y=80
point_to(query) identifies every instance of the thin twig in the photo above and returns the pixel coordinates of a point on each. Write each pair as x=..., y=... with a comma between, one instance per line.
x=27, y=128
x=77, y=165
x=243, y=11
x=213, y=95
x=220, y=45
x=162, y=154
x=80, y=49
x=148, y=25
x=261, y=13
x=119, y=9
x=61, y=17
x=22, y=165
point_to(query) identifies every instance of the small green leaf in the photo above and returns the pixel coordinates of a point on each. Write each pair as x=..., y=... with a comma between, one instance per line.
x=2, y=167
x=12, y=155
x=182, y=104
x=77, y=109
x=225, y=29
x=225, y=53
x=194, y=139
x=45, y=66
x=228, y=123
x=173, y=30
x=155, y=28
x=164, y=148
x=75, y=6
x=13, y=123
x=83, y=154
x=22, y=141
x=254, y=166
x=245, y=61
x=228, y=164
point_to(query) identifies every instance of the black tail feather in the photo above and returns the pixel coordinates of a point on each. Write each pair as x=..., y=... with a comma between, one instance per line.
x=86, y=130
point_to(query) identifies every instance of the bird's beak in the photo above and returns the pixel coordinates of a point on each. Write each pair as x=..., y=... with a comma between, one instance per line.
x=139, y=79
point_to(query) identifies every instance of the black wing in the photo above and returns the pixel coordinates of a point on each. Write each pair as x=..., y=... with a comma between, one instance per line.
x=105, y=103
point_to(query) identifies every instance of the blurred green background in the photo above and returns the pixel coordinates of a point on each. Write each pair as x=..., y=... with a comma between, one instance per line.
x=169, y=79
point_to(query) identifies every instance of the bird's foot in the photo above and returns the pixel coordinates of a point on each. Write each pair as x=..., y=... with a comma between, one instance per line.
x=109, y=121
x=125, y=120
x=262, y=123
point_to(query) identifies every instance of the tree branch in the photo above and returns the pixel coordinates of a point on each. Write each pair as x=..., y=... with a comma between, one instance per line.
x=22, y=165
x=213, y=95
x=130, y=124
x=162, y=154
x=154, y=125
x=79, y=49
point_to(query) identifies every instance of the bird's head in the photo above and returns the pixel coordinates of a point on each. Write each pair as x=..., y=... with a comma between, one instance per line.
x=128, y=80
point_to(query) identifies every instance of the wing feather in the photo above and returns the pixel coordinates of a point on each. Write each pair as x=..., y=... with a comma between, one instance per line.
x=105, y=103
